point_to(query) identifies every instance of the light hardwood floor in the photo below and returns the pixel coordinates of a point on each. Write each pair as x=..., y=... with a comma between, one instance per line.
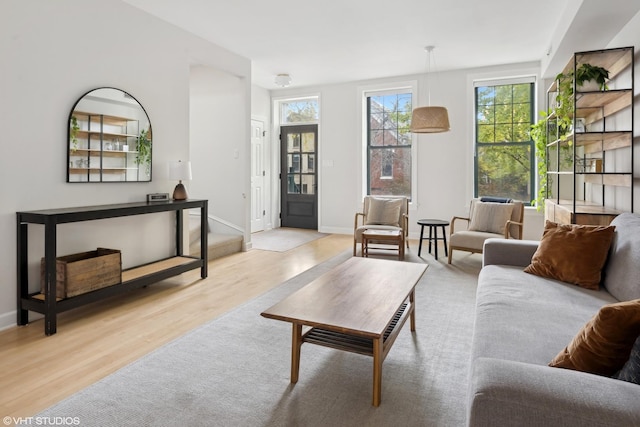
x=98, y=339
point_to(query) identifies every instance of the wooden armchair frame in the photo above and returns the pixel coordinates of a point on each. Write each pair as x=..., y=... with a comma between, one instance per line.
x=403, y=220
x=508, y=229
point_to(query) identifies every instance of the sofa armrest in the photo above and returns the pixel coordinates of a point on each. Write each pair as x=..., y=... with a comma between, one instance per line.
x=508, y=252
x=508, y=393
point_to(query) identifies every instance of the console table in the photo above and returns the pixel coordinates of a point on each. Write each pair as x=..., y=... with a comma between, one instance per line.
x=136, y=277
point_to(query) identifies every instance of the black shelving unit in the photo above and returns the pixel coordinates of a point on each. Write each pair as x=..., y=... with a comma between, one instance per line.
x=568, y=195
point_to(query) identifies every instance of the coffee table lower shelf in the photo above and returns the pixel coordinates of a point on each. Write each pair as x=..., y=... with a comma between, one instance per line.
x=359, y=344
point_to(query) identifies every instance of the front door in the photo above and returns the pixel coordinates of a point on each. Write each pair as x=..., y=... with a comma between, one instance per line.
x=298, y=177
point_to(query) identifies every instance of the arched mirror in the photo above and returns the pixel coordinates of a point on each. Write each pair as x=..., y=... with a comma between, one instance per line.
x=109, y=138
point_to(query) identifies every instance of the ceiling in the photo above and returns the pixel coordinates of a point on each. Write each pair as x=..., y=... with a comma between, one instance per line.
x=339, y=41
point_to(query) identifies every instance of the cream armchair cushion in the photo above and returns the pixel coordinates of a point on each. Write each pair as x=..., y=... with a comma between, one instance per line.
x=384, y=212
x=490, y=217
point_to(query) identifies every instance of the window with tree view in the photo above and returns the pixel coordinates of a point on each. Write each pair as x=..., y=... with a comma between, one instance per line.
x=504, y=156
x=389, y=144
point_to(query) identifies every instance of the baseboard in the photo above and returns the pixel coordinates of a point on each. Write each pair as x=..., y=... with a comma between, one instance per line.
x=8, y=320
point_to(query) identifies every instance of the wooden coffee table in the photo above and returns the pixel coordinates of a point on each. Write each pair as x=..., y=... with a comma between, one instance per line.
x=359, y=306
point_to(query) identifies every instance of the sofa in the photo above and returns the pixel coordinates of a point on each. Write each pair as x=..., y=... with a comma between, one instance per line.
x=523, y=321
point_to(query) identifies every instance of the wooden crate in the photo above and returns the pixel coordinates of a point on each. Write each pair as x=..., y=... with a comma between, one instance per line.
x=85, y=272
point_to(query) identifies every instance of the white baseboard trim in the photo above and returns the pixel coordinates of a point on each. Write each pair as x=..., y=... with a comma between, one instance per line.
x=7, y=320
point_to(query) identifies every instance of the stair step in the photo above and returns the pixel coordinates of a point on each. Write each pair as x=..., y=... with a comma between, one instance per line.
x=220, y=245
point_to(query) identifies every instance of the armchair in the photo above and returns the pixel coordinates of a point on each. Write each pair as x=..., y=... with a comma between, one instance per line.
x=382, y=213
x=486, y=220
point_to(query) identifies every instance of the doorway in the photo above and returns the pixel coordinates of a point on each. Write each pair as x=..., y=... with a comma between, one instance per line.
x=298, y=176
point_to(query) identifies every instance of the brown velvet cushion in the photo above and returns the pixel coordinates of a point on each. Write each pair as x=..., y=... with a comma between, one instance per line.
x=572, y=253
x=604, y=344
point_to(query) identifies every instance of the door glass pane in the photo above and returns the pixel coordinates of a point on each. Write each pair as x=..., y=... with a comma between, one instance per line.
x=308, y=142
x=294, y=163
x=293, y=142
x=308, y=163
x=308, y=184
x=293, y=186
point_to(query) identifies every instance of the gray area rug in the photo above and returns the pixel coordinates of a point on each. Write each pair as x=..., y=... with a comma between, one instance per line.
x=283, y=239
x=234, y=371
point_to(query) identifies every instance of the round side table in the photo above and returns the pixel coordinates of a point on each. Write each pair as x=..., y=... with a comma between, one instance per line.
x=433, y=225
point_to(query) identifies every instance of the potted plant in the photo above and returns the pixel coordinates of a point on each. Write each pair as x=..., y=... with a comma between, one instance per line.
x=588, y=72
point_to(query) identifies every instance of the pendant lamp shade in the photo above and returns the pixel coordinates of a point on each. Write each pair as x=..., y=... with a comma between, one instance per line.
x=430, y=120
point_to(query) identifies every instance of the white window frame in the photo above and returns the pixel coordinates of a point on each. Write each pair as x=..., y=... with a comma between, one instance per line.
x=408, y=86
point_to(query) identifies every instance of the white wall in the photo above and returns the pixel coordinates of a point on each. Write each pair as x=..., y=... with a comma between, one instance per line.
x=219, y=152
x=629, y=36
x=445, y=161
x=52, y=53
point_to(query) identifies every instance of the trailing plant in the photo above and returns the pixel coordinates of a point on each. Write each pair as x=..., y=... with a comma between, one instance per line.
x=73, y=133
x=538, y=134
x=144, y=150
x=565, y=97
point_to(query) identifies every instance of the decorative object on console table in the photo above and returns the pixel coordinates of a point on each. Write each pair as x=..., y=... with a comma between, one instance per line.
x=158, y=197
x=180, y=171
x=85, y=272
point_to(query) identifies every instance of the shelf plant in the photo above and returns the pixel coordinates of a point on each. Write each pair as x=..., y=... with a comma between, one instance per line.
x=73, y=133
x=565, y=97
x=144, y=149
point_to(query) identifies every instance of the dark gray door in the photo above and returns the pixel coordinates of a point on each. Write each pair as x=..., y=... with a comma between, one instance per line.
x=299, y=177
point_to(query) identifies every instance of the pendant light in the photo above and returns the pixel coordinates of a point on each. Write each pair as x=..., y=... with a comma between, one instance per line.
x=429, y=119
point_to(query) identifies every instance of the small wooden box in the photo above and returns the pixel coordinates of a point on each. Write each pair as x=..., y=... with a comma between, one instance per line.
x=85, y=272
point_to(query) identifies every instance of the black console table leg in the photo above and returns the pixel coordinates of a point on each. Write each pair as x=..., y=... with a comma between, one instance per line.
x=50, y=315
x=179, y=235
x=23, y=271
x=204, y=244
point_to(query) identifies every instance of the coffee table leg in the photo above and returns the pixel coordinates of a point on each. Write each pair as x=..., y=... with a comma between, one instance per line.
x=377, y=371
x=296, y=343
x=412, y=316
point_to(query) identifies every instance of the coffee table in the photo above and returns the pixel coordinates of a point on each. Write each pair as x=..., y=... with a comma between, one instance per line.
x=359, y=306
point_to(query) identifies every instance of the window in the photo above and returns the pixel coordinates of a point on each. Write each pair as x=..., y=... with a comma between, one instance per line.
x=504, y=151
x=299, y=111
x=389, y=143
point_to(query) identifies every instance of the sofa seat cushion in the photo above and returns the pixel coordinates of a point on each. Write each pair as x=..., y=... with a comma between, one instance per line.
x=526, y=318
